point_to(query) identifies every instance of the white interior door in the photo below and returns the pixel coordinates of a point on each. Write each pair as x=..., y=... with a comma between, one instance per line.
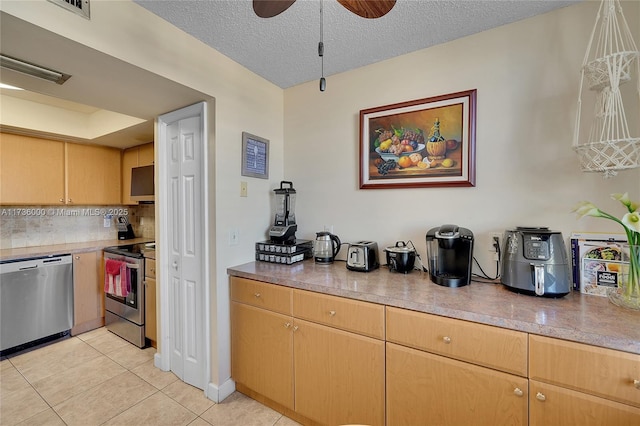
x=183, y=228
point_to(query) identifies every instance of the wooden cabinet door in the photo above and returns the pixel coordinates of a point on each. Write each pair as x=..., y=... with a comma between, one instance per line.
x=339, y=376
x=553, y=405
x=87, y=292
x=428, y=389
x=93, y=175
x=601, y=372
x=150, y=315
x=129, y=161
x=145, y=154
x=31, y=170
x=262, y=352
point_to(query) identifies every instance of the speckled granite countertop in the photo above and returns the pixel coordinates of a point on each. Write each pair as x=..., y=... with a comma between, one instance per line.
x=69, y=248
x=580, y=318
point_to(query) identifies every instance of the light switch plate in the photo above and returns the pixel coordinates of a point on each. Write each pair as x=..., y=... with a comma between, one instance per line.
x=243, y=189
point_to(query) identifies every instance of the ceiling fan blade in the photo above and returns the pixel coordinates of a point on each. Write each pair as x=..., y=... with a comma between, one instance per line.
x=368, y=8
x=270, y=8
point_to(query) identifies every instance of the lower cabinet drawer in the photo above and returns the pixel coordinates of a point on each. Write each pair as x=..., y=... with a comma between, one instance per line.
x=347, y=314
x=261, y=295
x=498, y=348
x=598, y=371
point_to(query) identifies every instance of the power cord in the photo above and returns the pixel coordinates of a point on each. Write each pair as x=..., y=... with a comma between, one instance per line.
x=484, y=278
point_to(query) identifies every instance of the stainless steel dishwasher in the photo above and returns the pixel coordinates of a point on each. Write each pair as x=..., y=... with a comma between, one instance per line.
x=36, y=300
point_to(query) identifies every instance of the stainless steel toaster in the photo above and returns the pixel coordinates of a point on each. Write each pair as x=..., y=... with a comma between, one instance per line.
x=363, y=256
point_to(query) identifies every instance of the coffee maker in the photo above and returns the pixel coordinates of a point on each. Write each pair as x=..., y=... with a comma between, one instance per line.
x=284, y=227
x=450, y=255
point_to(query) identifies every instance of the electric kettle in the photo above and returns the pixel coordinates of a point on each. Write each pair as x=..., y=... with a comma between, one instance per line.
x=326, y=247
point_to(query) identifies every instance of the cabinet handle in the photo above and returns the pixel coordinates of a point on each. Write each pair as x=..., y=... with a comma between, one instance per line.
x=332, y=313
x=77, y=257
x=295, y=328
x=70, y=200
x=153, y=270
x=518, y=392
x=446, y=339
x=62, y=200
x=636, y=383
x=287, y=324
x=256, y=294
x=540, y=397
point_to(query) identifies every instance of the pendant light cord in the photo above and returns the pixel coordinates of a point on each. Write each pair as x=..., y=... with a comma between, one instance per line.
x=323, y=82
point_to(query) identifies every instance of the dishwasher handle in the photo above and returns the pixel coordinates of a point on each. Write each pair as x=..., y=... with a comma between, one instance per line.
x=28, y=267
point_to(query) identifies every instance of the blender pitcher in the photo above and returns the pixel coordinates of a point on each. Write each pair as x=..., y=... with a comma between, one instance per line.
x=284, y=227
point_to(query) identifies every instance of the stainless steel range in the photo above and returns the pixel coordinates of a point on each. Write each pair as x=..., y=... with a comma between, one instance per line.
x=124, y=304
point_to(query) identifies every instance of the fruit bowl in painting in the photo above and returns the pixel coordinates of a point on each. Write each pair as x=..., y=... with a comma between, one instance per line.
x=386, y=156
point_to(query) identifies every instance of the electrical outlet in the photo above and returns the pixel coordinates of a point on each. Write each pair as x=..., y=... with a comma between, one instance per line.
x=243, y=189
x=494, y=237
x=234, y=236
x=328, y=228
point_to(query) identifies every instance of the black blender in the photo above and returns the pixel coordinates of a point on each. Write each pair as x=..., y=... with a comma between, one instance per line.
x=284, y=228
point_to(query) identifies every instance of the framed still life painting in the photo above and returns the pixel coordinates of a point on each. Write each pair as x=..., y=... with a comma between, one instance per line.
x=422, y=143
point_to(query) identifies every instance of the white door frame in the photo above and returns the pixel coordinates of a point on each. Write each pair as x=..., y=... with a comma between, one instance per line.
x=162, y=359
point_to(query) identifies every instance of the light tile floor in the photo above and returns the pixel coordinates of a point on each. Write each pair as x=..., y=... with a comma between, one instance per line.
x=97, y=378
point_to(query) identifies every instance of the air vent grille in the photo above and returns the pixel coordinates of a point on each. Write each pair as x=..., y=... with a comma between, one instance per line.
x=79, y=7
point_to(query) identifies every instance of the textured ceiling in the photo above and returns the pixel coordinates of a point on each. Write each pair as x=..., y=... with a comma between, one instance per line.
x=284, y=49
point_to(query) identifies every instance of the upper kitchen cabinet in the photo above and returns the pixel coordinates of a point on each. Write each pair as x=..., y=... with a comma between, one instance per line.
x=31, y=170
x=35, y=171
x=93, y=175
x=138, y=156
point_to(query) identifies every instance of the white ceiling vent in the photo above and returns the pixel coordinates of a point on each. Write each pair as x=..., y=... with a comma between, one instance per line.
x=79, y=7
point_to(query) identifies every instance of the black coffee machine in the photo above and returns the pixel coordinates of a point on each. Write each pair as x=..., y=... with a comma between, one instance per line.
x=450, y=255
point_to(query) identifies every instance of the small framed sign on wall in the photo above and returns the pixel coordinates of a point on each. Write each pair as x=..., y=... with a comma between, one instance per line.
x=255, y=156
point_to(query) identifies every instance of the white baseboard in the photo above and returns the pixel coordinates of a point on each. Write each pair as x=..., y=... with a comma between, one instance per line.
x=158, y=362
x=219, y=393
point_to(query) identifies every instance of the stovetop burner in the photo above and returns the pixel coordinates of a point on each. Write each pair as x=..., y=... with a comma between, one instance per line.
x=131, y=250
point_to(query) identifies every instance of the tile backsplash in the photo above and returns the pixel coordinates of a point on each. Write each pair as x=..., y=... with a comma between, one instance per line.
x=28, y=226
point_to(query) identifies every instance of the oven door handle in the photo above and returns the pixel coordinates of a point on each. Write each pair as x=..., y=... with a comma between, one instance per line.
x=132, y=266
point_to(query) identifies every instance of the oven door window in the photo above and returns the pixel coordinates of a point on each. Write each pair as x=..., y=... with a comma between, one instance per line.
x=132, y=298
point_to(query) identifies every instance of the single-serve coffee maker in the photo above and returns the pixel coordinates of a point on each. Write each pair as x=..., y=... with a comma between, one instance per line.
x=450, y=255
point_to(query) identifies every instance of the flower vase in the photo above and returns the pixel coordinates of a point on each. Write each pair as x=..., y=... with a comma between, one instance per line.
x=627, y=294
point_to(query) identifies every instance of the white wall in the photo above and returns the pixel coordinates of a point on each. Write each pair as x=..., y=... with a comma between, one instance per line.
x=527, y=75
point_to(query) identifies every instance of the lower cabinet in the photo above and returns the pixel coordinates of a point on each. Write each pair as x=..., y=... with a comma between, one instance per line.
x=262, y=352
x=555, y=405
x=321, y=374
x=573, y=383
x=150, y=313
x=88, y=293
x=428, y=389
x=328, y=360
x=339, y=376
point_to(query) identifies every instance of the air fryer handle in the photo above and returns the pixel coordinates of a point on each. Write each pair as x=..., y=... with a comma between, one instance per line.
x=538, y=278
x=336, y=244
